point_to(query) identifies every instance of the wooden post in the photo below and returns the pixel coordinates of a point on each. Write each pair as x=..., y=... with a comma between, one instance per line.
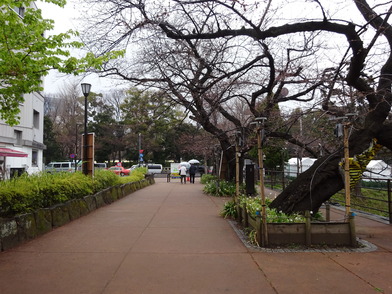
x=389, y=201
x=346, y=170
x=237, y=173
x=245, y=216
x=239, y=213
x=353, y=236
x=259, y=229
x=88, y=154
x=308, y=237
x=328, y=211
x=262, y=193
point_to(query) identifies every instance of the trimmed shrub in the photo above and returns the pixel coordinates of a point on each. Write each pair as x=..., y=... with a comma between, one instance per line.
x=206, y=178
x=28, y=193
x=219, y=188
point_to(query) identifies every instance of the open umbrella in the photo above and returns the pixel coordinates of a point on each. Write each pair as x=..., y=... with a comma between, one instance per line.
x=186, y=164
x=194, y=161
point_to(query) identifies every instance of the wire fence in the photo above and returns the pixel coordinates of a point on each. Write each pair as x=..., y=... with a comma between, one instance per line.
x=369, y=196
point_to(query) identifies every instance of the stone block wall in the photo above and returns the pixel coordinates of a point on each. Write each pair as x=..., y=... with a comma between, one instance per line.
x=21, y=228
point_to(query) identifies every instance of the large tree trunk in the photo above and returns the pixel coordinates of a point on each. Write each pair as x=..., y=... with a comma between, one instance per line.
x=324, y=178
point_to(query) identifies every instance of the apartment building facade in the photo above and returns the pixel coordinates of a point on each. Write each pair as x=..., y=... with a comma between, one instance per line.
x=21, y=146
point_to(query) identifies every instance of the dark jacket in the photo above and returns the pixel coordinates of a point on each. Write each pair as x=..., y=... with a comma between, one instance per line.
x=192, y=169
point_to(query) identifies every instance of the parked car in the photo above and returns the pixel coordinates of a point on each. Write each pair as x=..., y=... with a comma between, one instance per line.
x=99, y=165
x=153, y=168
x=65, y=166
x=119, y=170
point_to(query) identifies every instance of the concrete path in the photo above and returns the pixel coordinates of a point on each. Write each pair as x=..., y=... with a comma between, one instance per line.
x=169, y=238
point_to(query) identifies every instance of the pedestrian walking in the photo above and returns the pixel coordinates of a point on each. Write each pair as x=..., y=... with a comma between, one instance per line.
x=192, y=173
x=182, y=171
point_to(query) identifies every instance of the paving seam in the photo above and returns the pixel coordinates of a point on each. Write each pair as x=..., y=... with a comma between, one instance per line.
x=141, y=234
x=351, y=272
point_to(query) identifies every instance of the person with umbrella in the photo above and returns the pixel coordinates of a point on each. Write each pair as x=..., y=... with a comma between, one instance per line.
x=182, y=171
x=192, y=173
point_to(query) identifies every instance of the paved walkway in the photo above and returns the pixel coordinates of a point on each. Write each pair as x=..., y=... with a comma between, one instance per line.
x=169, y=238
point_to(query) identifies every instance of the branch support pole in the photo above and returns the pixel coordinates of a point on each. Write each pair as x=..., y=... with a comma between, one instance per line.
x=237, y=173
x=262, y=193
x=346, y=170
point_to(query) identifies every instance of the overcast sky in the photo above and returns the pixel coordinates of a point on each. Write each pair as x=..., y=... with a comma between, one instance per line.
x=64, y=20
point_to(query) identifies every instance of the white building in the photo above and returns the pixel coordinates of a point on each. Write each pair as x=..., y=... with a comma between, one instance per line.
x=27, y=137
x=376, y=169
x=296, y=166
x=21, y=146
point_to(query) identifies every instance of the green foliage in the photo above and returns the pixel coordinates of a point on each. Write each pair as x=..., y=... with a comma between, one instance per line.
x=374, y=184
x=136, y=175
x=28, y=193
x=27, y=54
x=229, y=210
x=104, y=179
x=53, y=151
x=252, y=236
x=205, y=178
x=254, y=207
x=220, y=188
x=153, y=115
x=373, y=201
x=103, y=125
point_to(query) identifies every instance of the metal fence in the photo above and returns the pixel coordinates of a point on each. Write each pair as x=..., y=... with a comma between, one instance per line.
x=369, y=196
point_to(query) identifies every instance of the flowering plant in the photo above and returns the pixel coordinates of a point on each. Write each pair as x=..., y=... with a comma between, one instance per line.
x=254, y=208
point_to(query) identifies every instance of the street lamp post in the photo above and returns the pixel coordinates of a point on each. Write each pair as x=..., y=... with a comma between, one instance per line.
x=86, y=91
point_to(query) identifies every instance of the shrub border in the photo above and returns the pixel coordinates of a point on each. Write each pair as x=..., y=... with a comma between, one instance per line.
x=21, y=228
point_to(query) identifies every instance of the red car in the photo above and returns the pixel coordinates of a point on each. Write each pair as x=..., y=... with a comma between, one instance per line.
x=119, y=170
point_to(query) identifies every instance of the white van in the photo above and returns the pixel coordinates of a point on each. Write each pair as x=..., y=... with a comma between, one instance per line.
x=55, y=167
x=100, y=165
x=153, y=168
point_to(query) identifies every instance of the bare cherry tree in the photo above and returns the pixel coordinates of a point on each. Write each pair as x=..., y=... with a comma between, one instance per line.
x=66, y=113
x=209, y=53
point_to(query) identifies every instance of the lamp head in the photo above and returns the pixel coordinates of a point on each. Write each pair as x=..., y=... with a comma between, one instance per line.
x=86, y=89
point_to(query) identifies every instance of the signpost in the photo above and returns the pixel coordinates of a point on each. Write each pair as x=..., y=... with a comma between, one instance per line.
x=141, y=160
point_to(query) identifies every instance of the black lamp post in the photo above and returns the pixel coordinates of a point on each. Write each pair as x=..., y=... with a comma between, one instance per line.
x=86, y=91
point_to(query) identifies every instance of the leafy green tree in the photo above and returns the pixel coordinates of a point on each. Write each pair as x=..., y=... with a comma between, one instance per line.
x=104, y=126
x=53, y=151
x=152, y=115
x=26, y=54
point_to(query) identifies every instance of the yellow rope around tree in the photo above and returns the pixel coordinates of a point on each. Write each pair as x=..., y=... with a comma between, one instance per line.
x=359, y=162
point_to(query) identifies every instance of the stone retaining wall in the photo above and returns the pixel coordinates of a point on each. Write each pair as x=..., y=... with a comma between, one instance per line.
x=21, y=228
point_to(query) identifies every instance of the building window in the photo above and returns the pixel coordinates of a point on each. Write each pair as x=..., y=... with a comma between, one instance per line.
x=34, y=160
x=18, y=137
x=36, y=119
x=20, y=11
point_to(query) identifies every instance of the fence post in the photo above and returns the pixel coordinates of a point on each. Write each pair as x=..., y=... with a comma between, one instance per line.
x=259, y=229
x=327, y=211
x=308, y=236
x=239, y=214
x=353, y=236
x=389, y=201
x=245, y=216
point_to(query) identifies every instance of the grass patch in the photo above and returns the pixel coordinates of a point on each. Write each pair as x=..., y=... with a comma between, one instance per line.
x=373, y=201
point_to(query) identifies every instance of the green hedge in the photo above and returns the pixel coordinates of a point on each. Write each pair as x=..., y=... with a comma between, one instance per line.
x=28, y=193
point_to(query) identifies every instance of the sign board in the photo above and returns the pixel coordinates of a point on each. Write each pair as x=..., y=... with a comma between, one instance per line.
x=174, y=169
